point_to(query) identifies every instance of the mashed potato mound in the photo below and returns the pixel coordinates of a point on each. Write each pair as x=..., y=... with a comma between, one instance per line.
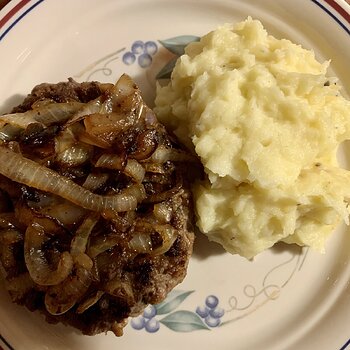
x=266, y=123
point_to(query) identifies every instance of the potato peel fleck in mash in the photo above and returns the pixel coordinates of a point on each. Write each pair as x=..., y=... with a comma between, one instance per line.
x=266, y=122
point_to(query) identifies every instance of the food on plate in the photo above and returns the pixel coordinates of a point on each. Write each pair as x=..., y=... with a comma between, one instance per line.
x=96, y=218
x=266, y=122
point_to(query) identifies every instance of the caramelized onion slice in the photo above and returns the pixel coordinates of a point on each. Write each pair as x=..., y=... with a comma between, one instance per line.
x=9, y=132
x=110, y=161
x=65, y=212
x=67, y=138
x=93, y=140
x=120, y=289
x=126, y=98
x=141, y=242
x=121, y=108
x=154, y=168
x=106, y=126
x=69, y=151
x=36, y=261
x=131, y=167
x=7, y=220
x=135, y=170
x=93, y=106
x=80, y=240
x=163, y=212
x=163, y=154
x=121, y=223
x=95, y=181
x=146, y=143
x=90, y=301
x=61, y=298
x=101, y=244
x=77, y=154
x=30, y=173
x=47, y=115
x=169, y=235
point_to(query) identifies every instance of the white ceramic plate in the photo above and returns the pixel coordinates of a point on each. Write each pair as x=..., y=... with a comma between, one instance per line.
x=287, y=298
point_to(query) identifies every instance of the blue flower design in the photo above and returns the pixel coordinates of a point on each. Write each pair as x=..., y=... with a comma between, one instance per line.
x=147, y=320
x=211, y=312
x=164, y=314
x=143, y=51
x=205, y=317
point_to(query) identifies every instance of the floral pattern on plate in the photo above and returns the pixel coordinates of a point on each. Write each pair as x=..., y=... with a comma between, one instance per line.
x=211, y=313
x=140, y=53
x=205, y=317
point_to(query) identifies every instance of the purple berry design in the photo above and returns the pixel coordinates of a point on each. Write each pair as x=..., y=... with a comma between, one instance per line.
x=212, y=322
x=202, y=311
x=218, y=312
x=152, y=325
x=129, y=58
x=141, y=51
x=144, y=60
x=212, y=301
x=138, y=322
x=137, y=47
x=151, y=47
x=150, y=312
x=211, y=313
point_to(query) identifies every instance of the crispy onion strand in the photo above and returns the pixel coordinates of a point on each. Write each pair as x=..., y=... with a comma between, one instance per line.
x=30, y=173
x=46, y=115
x=62, y=297
x=141, y=242
x=36, y=261
x=80, y=240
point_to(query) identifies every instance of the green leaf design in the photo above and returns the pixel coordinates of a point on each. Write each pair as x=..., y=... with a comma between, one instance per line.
x=165, y=72
x=177, y=44
x=173, y=300
x=183, y=321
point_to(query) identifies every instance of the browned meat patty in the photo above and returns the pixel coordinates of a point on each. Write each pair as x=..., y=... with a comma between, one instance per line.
x=69, y=91
x=95, y=214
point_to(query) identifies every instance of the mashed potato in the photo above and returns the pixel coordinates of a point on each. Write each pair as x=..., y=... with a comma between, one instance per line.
x=266, y=123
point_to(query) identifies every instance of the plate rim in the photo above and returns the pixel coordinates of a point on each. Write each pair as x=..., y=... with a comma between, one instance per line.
x=16, y=10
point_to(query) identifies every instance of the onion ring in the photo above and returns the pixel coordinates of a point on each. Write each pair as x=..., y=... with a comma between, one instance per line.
x=36, y=262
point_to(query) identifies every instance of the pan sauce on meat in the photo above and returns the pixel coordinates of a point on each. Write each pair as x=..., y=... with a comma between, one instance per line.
x=95, y=219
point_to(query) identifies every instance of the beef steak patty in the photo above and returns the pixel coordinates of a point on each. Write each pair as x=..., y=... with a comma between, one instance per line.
x=95, y=214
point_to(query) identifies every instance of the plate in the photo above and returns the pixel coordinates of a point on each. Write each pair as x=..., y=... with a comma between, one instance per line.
x=287, y=297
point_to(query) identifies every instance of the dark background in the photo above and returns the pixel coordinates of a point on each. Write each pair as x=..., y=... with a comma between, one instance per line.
x=3, y=3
